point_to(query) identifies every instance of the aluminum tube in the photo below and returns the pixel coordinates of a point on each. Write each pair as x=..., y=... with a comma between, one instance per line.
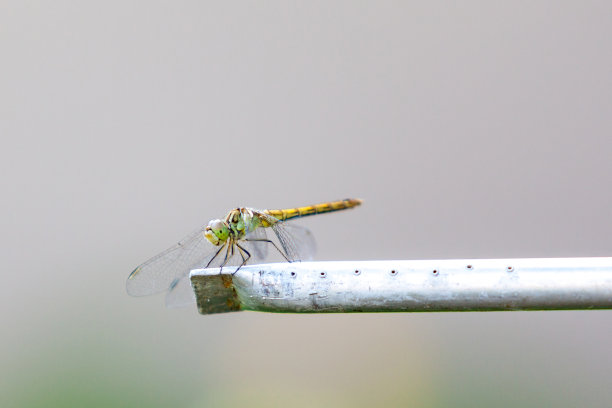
x=408, y=286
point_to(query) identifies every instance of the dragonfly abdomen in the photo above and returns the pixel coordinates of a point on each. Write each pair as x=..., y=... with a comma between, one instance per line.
x=289, y=213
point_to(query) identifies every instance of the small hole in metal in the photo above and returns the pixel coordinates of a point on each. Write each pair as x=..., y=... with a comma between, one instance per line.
x=393, y=272
x=510, y=268
x=435, y=271
x=357, y=271
x=469, y=267
x=293, y=274
x=323, y=274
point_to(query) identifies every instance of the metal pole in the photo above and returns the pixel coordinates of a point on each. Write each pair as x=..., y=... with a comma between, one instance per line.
x=408, y=286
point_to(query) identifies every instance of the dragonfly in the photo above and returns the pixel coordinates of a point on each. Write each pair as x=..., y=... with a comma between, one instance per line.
x=238, y=238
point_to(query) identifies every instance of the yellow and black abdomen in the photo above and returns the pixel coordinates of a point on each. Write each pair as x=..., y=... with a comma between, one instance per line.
x=321, y=208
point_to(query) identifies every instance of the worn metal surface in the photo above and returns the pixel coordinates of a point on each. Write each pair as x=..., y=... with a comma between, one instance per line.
x=408, y=286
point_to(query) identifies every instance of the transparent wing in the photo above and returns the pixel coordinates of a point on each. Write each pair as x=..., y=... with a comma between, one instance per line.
x=260, y=248
x=180, y=292
x=301, y=238
x=297, y=242
x=163, y=270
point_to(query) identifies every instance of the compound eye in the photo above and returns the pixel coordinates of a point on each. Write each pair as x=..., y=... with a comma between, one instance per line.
x=215, y=225
x=220, y=229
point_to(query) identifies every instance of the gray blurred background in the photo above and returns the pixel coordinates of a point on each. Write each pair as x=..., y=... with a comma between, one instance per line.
x=471, y=130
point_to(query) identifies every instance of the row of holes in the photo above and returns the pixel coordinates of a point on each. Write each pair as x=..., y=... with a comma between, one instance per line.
x=394, y=272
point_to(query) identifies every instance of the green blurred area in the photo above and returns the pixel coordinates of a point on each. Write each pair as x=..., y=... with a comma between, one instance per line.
x=476, y=360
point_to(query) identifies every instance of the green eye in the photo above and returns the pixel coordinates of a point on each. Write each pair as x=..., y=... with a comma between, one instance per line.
x=220, y=229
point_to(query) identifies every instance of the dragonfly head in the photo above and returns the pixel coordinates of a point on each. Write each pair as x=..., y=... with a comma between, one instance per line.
x=217, y=232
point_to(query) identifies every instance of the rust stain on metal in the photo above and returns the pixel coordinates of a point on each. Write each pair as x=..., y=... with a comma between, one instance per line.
x=232, y=304
x=227, y=281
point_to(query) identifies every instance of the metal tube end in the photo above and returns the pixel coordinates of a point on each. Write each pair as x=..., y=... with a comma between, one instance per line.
x=215, y=292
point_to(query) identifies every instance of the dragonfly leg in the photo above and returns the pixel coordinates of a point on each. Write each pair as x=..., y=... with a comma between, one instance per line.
x=244, y=260
x=217, y=253
x=271, y=242
x=227, y=256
